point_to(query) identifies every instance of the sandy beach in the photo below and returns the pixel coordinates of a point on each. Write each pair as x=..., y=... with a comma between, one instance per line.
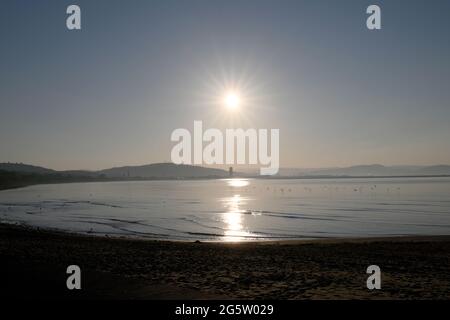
x=34, y=262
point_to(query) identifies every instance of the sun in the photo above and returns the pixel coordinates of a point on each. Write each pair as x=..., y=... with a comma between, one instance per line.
x=232, y=100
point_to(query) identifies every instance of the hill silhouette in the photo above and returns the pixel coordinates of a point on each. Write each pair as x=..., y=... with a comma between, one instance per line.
x=24, y=168
x=163, y=170
x=173, y=171
x=373, y=170
x=156, y=171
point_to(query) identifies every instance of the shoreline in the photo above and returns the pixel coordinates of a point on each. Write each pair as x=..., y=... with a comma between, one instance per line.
x=294, y=241
x=138, y=179
x=34, y=262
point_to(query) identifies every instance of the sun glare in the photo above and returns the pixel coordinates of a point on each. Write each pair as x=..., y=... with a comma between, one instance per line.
x=232, y=100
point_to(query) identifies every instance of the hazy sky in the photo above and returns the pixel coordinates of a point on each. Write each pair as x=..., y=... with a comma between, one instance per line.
x=112, y=93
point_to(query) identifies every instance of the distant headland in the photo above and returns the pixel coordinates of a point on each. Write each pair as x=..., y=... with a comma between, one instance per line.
x=15, y=175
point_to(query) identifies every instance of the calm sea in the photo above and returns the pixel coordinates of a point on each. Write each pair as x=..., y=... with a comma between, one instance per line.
x=237, y=209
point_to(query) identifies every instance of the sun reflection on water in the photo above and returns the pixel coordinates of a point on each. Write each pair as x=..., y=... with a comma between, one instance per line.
x=233, y=217
x=237, y=183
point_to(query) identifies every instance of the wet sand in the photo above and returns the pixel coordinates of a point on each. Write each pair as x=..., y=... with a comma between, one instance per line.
x=34, y=262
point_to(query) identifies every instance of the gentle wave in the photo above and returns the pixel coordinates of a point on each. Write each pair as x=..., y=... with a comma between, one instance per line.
x=212, y=210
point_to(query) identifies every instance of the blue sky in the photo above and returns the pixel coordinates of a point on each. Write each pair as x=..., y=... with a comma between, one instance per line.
x=112, y=93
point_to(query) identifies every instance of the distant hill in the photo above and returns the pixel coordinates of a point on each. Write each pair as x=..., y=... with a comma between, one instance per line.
x=24, y=168
x=156, y=170
x=173, y=171
x=435, y=170
x=163, y=170
x=380, y=170
x=15, y=175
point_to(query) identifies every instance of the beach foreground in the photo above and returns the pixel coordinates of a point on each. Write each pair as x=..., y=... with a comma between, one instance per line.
x=34, y=262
